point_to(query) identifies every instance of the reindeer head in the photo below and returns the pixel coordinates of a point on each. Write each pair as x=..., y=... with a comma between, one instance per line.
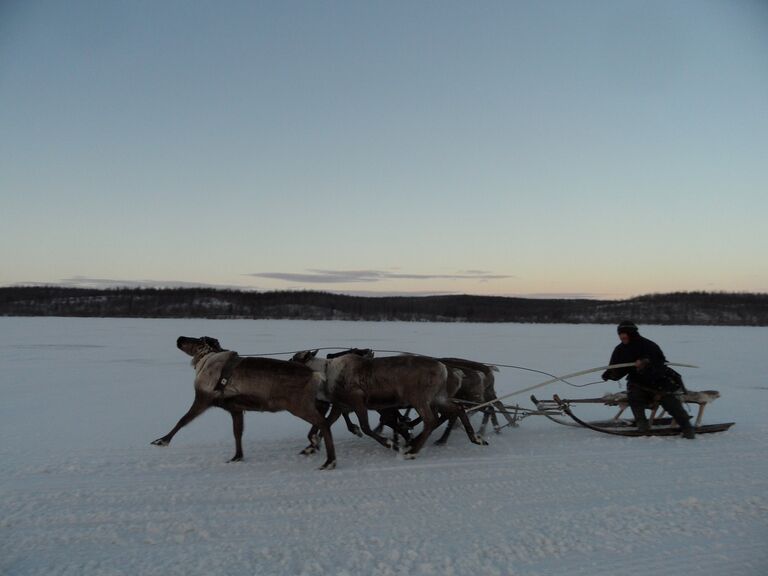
x=304, y=357
x=198, y=347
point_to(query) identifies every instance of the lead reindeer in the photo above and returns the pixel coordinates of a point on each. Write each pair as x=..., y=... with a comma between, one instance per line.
x=225, y=380
x=360, y=384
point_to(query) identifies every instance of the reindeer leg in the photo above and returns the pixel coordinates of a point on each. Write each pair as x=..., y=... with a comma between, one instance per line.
x=330, y=449
x=362, y=416
x=430, y=423
x=384, y=420
x=351, y=426
x=310, y=412
x=391, y=418
x=444, y=438
x=402, y=426
x=473, y=437
x=489, y=415
x=484, y=423
x=314, y=432
x=453, y=411
x=415, y=422
x=314, y=441
x=198, y=407
x=237, y=430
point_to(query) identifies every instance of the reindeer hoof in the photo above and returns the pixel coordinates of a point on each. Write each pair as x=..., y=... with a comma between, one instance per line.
x=308, y=450
x=356, y=431
x=409, y=456
x=160, y=442
x=237, y=458
x=480, y=440
x=440, y=442
x=328, y=465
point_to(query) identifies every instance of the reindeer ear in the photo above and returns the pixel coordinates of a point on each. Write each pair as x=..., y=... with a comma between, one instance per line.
x=314, y=353
x=212, y=342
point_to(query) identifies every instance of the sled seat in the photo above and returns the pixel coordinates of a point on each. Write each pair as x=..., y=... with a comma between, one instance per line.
x=702, y=399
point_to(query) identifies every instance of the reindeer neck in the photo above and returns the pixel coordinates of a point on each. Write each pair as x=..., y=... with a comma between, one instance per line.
x=335, y=367
x=320, y=366
x=200, y=360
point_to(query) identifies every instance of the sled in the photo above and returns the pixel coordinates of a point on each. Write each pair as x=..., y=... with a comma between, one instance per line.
x=559, y=410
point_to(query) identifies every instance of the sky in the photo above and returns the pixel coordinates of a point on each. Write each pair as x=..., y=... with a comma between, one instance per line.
x=571, y=149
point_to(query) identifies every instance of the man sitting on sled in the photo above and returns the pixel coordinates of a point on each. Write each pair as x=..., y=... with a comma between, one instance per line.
x=650, y=380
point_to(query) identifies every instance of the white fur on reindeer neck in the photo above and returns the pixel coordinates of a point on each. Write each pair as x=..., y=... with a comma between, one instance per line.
x=209, y=370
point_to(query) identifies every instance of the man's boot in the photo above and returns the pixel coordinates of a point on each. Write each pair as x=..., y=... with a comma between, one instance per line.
x=673, y=405
x=641, y=422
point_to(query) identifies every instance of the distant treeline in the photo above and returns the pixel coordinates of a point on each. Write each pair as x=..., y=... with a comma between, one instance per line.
x=700, y=308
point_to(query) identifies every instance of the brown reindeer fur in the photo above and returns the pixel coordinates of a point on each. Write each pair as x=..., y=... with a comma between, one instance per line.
x=360, y=384
x=479, y=386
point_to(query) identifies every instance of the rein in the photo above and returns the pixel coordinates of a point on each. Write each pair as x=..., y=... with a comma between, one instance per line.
x=553, y=377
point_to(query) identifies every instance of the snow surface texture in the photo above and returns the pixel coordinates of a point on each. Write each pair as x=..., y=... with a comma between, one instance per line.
x=82, y=491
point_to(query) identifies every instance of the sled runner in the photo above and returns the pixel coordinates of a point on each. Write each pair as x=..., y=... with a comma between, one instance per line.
x=559, y=410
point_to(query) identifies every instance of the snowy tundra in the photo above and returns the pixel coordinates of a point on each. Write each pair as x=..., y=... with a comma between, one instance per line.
x=83, y=492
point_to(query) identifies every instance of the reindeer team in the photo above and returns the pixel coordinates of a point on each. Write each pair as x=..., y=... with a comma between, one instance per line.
x=320, y=390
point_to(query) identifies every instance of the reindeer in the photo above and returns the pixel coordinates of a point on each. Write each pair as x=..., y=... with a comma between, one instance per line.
x=469, y=387
x=235, y=384
x=466, y=382
x=388, y=417
x=360, y=384
x=477, y=386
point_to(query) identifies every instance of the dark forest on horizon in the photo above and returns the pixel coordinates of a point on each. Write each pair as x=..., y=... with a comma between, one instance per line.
x=692, y=308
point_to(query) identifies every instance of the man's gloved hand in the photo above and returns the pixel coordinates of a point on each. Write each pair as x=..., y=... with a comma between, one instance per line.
x=641, y=364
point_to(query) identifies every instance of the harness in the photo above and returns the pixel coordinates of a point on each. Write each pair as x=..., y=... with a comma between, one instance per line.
x=226, y=372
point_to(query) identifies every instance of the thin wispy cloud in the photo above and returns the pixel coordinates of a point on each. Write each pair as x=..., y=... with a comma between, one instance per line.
x=568, y=296
x=317, y=276
x=102, y=283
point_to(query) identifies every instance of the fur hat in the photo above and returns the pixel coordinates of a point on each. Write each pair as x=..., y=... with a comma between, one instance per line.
x=627, y=327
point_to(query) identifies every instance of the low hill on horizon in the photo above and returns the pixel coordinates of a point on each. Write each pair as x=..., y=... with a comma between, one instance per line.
x=691, y=308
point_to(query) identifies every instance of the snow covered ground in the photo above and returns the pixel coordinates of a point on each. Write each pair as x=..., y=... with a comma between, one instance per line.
x=82, y=491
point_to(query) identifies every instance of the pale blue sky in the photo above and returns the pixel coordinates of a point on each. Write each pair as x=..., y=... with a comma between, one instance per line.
x=599, y=148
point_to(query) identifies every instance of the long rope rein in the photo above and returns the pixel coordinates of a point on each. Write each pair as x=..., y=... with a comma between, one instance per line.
x=403, y=352
x=553, y=378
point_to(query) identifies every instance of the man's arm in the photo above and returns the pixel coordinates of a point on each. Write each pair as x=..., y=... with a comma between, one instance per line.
x=616, y=373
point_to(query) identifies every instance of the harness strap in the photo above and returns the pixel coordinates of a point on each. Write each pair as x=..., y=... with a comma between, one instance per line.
x=227, y=370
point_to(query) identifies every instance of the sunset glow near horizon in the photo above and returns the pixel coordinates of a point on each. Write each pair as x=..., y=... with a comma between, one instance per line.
x=603, y=149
